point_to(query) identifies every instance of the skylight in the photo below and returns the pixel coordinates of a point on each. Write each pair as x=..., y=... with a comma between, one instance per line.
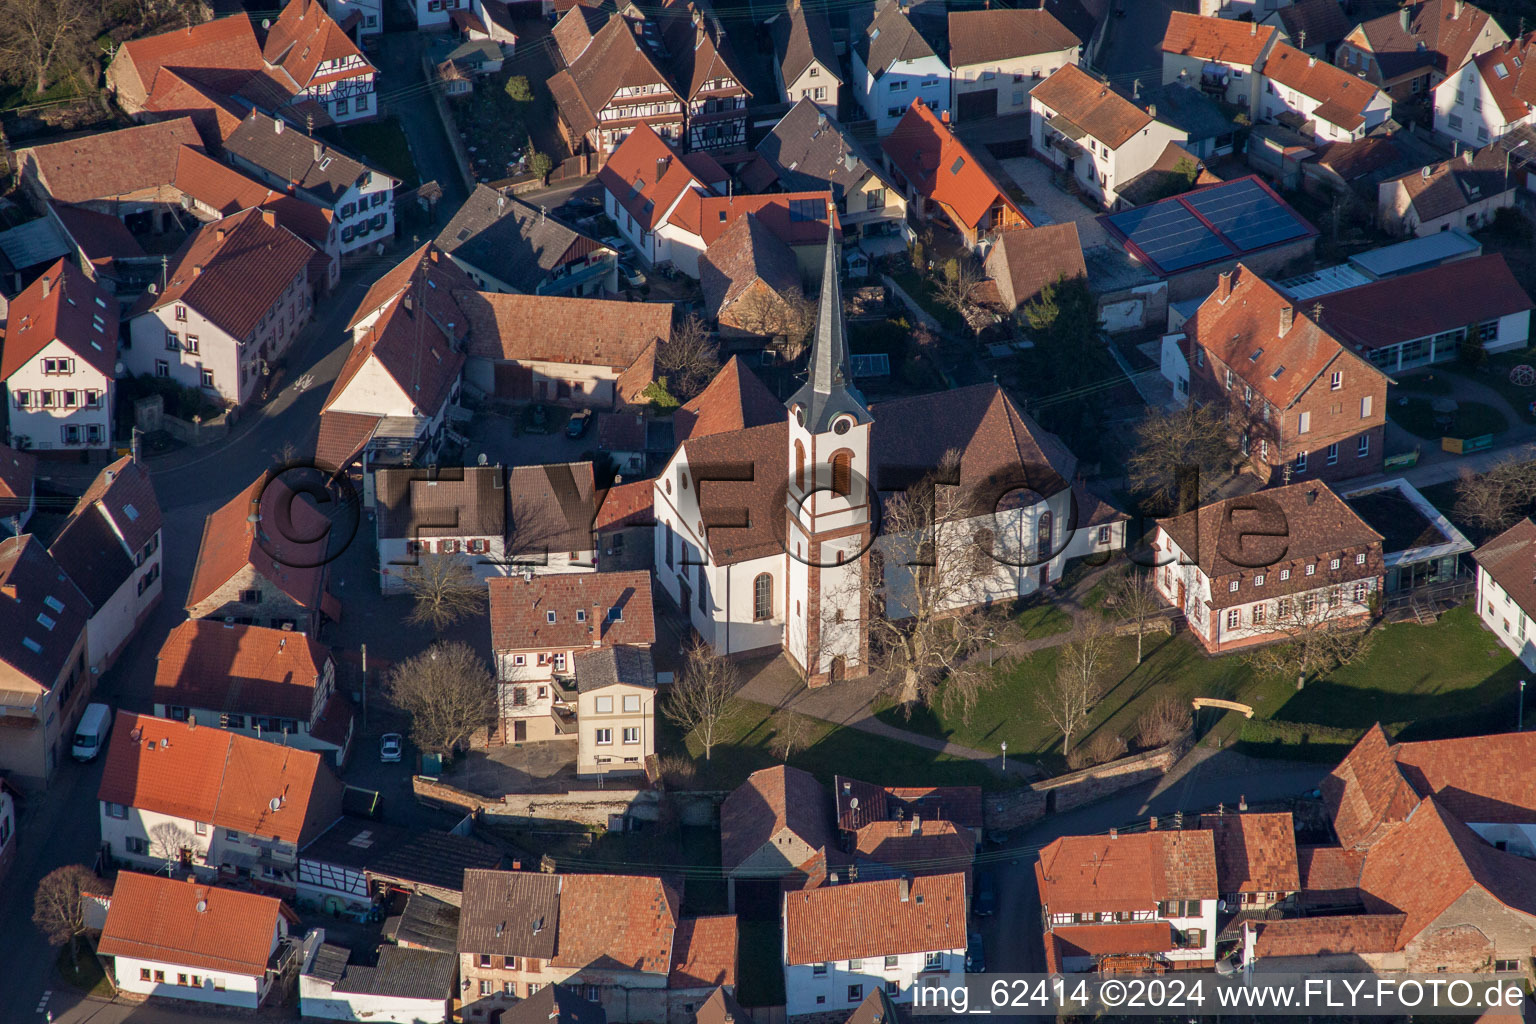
x=1501, y=70
x=1256, y=353
x=32, y=645
x=45, y=621
x=955, y=167
x=1278, y=371
x=54, y=603
x=131, y=512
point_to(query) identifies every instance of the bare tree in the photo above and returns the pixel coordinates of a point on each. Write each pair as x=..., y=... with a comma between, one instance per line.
x=788, y=315
x=688, y=359
x=1316, y=632
x=57, y=905
x=1135, y=601
x=921, y=633
x=35, y=35
x=703, y=700
x=1164, y=721
x=1495, y=498
x=448, y=692
x=1078, y=686
x=1180, y=457
x=956, y=285
x=791, y=732
x=171, y=843
x=446, y=590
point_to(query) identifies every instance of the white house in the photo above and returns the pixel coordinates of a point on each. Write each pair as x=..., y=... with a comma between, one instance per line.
x=892, y=64
x=997, y=56
x=645, y=185
x=234, y=297
x=616, y=709
x=325, y=65
x=1151, y=895
x=805, y=65
x=110, y=548
x=194, y=942
x=212, y=802
x=1216, y=54
x=1094, y=134
x=1339, y=106
x=1506, y=595
x=891, y=934
x=403, y=986
x=59, y=363
x=456, y=511
x=369, y=15
x=1489, y=96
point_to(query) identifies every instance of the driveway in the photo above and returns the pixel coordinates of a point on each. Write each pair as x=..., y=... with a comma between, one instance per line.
x=408, y=98
x=1049, y=204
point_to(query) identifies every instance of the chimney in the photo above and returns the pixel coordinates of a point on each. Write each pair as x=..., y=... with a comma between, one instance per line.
x=1466, y=156
x=1287, y=317
x=917, y=824
x=1460, y=6
x=1242, y=802
x=1114, y=833
x=661, y=166
x=197, y=269
x=47, y=285
x=1253, y=27
x=1224, y=286
x=191, y=722
x=318, y=151
x=220, y=234
x=1152, y=824
x=1311, y=62
x=1404, y=17
x=944, y=116
x=1152, y=110
x=269, y=218
x=904, y=888
x=277, y=126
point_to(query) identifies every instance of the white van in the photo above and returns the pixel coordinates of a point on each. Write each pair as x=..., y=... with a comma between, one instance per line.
x=91, y=733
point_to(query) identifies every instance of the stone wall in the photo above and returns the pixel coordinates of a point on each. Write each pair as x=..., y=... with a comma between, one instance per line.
x=596, y=808
x=1022, y=807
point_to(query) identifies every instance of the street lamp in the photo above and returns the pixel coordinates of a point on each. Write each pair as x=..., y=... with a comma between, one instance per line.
x=1005, y=745
x=1509, y=153
x=1520, y=724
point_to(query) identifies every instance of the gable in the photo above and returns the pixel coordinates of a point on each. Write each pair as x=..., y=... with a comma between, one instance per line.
x=373, y=390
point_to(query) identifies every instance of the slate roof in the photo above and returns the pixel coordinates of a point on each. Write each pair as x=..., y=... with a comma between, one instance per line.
x=440, y=860
x=562, y=329
x=426, y=921
x=800, y=37
x=509, y=913
x=250, y=670
x=1443, y=298
x=771, y=800
x=1095, y=874
x=1091, y=105
x=704, y=952
x=231, y=542
x=520, y=609
x=1254, y=852
x=403, y=973
x=991, y=36
x=283, y=151
x=1447, y=40
x=870, y=919
x=1323, y=22
x=891, y=36
x=807, y=151
x=190, y=924
x=1343, y=97
x=226, y=779
x=941, y=168
x=512, y=240
x=551, y=510
x=111, y=164
x=35, y=591
x=467, y=501
x=1216, y=39
x=613, y=665
x=1024, y=260
x=746, y=254
x=1510, y=558
x=735, y=399
x=617, y=922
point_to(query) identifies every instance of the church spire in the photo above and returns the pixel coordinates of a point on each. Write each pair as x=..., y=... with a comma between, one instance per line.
x=828, y=391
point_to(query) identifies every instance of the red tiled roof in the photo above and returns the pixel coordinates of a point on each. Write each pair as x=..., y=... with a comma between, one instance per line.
x=770, y=801
x=1367, y=793
x=870, y=919
x=984, y=37
x=412, y=343
x=225, y=43
x=62, y=305
x=704, y=952
x=940, y=167
x=723, y=499
x=710, y=216
x=1092, y=105
x=1025, y=260
x=562, y=329
x=1087, y=874
x=1329, y=873
x=627, y=504
x=243, y=669
x=519, y=610
x=1216, y=39
x=646, y=176
x=1475, y=778
x=735, y=399
x=1323, y=936
x=442, y=275
x=216, y=184
x=127, y=494
x=622, y=922
x=1113, y=939
x=1447, y=30
x=936, y=848
x=747, y=253
x=222, y=778
x=1343, y=96
x=231, y=542
x=190, y=924
x=342, y=436
x=1506, y=71
x=1254, y=852
x=629, y=386
x=233, y=271
x=178, y=95
x=1427, y=302
x=304, y=37
x=100, y=236
x=959, y=804
x=111, y=164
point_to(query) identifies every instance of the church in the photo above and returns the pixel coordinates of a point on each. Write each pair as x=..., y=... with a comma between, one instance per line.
x=768, y=525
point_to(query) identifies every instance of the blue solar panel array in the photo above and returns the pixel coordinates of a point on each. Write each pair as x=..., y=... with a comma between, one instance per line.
x=1175, y=239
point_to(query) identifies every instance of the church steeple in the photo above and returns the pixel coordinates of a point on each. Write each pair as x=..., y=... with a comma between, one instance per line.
x=828, y=391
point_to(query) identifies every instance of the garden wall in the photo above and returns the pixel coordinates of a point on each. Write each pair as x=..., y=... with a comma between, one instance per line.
x=596, y=808
x=1023, y=807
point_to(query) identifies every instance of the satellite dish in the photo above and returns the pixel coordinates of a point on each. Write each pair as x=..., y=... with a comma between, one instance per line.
x=1221, y=905
x=481, y=460
x=202, y=906
x=276, y=803
x=266, y=22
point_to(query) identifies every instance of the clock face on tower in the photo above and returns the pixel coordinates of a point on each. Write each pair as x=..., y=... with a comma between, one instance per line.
x=842, y=425
x=799, y=411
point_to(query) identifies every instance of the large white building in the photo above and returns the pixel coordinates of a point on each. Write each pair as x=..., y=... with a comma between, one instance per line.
x=997, y=56
x=892, y=65
x=1489, y=96
x=1506, y=593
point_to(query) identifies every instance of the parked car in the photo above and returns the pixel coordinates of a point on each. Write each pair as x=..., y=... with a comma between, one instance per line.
x=615, y=243
x=577, y=425
x=985, y=899
x=631, y=274
x=91, y=734
x=975, y=955
x=389, y=748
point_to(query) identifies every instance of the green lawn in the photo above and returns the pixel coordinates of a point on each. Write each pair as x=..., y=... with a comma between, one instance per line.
x=1041, y=620
x=85, y=973
x=381, y=143
x=1471, y=419
x=1425, y=382
x=1452, y=678
x=1495, y=374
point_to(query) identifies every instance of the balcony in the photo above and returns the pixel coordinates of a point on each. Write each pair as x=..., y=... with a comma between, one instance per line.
x=566, y=282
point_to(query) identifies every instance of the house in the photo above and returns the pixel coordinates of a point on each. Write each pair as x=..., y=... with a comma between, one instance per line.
x=799, y=220
x=406, y=985
x=1488, y=97
x=938, y=174
x=322, y=61
x=425, y=863
x=1429, y=314
x=1025, y=261
x=625, y=527
x=1357, y=167
x=735, y=399
x=863, y=803
x=1256, y=864
x=490, y=18
x=1465, y=191
x=461, y=63
x=552, y=348
x=1120, y=902
x=615, y=709
x=264, y=567
x=843, y=941
x=749, y=278
x=236, y=295
x=42, y=660
x=1301, y=559
x=1505, y=596
x=809, y=150
x=915, y=847
x=771, y=825
x=675, y=59
x=1315, y=27
x=892, y=64
x=1220, y=56
x=216, y=803
x=539, y=623
x=1336, y=104
x=59, y=364
x=1409, y=52
x=1420, y=547
x=1302, y=400
x=805, y=64
x=362, y=18
x=741, y=583
x=256, y=681
x=18, y=489
x=549, y=518
x=391, y=400
x=703, y=976
x=109, y=546
x=194, y=942
x=224, y=44
x=646, y=181
x=361, y=198
x=507, y=245
x=1093, y=133
x=997, y=56
x=459, y=512
x=1208, y=131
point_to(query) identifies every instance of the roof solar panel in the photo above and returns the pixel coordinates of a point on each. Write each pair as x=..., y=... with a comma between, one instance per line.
x=1169, y=235
x=1248, y=215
